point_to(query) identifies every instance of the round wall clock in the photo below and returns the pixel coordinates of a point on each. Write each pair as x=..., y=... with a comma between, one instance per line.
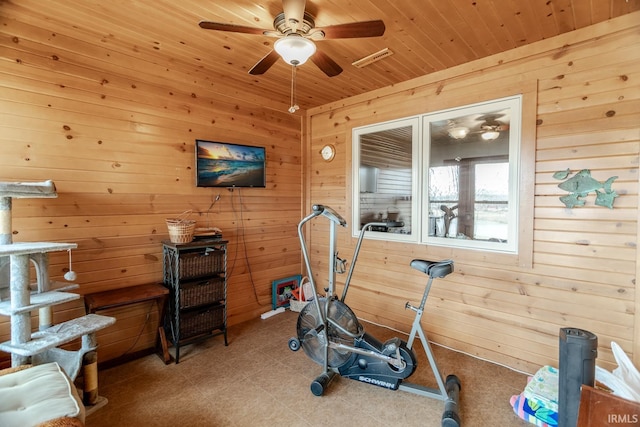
x=328, y=152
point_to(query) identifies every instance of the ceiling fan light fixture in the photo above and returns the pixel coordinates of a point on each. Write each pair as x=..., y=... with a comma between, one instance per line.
x=458, y=132
x=490, y=135
x=295, y=49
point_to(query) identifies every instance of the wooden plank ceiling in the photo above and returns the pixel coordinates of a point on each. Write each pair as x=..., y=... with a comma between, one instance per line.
x=424, y=36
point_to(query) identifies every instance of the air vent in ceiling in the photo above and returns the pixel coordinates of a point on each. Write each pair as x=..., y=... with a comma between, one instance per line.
x=374, y=57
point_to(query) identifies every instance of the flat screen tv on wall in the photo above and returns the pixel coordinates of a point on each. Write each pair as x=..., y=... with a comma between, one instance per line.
x=222, y=164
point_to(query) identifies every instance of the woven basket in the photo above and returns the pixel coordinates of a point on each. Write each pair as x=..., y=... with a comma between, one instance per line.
x=181, y=229
x=297, y=305
x=201, y=321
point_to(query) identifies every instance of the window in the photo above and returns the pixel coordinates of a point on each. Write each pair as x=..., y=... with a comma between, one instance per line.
x=450, y=177
x=471, y=183
x=386, y=185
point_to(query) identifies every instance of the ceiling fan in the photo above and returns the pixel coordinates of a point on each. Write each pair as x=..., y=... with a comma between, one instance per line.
x=296, y=33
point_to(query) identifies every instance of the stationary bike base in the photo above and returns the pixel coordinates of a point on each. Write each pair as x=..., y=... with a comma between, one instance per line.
x=450, y=417
x=340, y=344
x=320, y=384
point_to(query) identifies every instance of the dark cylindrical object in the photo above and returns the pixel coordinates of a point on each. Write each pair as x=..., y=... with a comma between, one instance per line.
x=319, y=385
x=451, y=417
x=578, y=352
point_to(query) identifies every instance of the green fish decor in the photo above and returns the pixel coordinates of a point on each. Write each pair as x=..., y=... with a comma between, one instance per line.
x=581, y=184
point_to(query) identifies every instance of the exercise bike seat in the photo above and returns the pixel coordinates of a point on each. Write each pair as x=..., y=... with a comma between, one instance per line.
x=434, y=269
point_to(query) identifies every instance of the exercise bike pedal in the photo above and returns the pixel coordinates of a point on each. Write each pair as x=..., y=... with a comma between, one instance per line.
x=391, y=345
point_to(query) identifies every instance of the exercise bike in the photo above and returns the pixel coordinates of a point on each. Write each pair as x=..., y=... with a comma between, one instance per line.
x=330, y=334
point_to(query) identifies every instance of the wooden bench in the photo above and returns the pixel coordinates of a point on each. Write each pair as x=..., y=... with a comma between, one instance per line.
x=132, y=295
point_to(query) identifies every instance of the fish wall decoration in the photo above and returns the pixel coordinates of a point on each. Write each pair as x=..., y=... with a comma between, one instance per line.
x=581, y=184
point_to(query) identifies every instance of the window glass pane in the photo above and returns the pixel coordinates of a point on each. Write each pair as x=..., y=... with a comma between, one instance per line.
x=444, y=193
x=386, y=180
x=471, y=185
x=491, y=210
x=443, y=184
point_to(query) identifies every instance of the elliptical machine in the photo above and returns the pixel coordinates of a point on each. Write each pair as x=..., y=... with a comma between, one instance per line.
x=330, y=334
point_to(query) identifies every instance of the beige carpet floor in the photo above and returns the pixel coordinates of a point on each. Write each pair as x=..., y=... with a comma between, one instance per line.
x=257, y=381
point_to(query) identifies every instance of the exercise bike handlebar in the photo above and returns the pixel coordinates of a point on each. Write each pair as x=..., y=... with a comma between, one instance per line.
x=329, y=213
x=317, y=210
x=335, y=219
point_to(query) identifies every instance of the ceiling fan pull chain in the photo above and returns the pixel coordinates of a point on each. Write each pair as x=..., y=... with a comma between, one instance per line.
x=294, y=107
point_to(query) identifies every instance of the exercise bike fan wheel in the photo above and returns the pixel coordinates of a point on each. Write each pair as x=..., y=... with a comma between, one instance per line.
x=313, y=337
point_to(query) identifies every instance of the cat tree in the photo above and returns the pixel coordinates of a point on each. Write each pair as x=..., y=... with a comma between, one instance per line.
x=19, y=298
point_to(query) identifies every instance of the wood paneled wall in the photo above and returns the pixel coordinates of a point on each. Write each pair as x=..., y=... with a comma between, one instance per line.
x=584, y=260
x=114, y=128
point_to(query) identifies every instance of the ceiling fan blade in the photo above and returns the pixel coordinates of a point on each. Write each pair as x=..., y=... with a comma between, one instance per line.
x=294, y=13
x=353, y=30
x=208, y=25
x=265, y=63
x=326, y=64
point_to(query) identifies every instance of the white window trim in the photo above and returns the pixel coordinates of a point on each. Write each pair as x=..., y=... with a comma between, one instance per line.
x=420, y=173
x=416, y=179
x=515, y=104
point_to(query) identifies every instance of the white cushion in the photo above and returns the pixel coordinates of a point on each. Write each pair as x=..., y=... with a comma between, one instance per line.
x=35, y=395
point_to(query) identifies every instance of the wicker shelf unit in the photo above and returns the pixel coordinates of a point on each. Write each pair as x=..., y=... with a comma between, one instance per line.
x=195, y=274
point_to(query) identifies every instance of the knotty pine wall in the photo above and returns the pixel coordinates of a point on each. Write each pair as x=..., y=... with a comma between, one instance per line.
x=114, y=128
x=582, y=111
x=117, y=135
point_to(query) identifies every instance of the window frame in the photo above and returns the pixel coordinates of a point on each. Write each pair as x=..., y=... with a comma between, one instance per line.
x=515, y=141
x=528, y=89
x=416, y=178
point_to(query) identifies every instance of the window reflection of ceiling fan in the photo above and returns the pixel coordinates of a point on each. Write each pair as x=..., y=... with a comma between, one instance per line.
x=296, y=33
x=491, y=127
